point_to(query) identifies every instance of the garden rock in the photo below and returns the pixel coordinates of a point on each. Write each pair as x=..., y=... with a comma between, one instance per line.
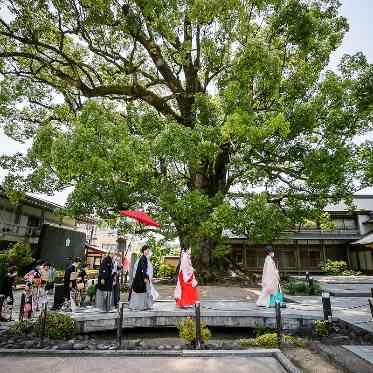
x=29, y=344
x=80, y=346
x=65, y=346
x=339, y=340
x=102, y=346
x=136, y=342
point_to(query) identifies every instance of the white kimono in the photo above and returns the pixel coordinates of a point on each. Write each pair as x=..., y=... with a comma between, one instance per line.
x=153, y=293
x=270, y=282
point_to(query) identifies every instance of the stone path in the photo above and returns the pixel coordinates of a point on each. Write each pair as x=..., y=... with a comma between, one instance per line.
x=344, y=286
x=365, y=352
x=213, y=313
x=140, y=365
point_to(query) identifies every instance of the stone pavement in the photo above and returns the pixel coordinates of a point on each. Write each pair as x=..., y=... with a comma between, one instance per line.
x=140, y=365
x=344, y=286
x=364, y=352
x=354, y=310
x=213, y=313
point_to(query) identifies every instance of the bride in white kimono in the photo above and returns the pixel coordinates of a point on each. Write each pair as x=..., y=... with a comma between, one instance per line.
x=270, y=279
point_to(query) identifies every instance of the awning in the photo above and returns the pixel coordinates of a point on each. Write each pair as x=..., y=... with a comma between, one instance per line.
x=95, y=250
x=366, y=240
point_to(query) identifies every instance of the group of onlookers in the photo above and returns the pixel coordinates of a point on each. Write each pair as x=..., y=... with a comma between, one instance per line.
x=40, y=282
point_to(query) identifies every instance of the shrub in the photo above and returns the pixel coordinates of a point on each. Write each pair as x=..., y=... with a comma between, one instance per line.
x=302, y=288
x=294, y=341
x=321, y=328
x=250, y=342
x=337, y=268
x=269, y=340
x=91, y=291
x=158, y=252
x=187, y=331
x=166, y=271
x=263, y=330
x=20, y=255
x=58, y=326
x=334, y=267
x=20, y=327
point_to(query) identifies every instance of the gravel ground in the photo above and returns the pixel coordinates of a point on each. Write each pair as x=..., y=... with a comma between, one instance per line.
x=310, y=362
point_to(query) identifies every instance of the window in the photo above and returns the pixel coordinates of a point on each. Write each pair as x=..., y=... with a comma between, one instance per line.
x=251, y=255
x=33, y=221
x=310, y=257
x=315, y=258
x=238, y=257
x=344, y=223
x=286, y=258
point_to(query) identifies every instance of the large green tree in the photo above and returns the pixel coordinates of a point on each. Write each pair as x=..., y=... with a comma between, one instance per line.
x=211, y=114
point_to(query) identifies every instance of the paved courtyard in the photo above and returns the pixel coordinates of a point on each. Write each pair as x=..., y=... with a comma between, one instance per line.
x=140, y=365
x=236, y=300
x=345, y=286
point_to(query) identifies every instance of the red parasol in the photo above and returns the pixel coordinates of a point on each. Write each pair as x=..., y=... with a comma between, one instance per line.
x=140, y=216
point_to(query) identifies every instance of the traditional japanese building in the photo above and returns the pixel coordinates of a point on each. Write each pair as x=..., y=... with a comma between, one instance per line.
x=305, y=248
x=52, y=237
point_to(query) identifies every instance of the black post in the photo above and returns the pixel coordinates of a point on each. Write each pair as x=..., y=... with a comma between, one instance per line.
x=307, y=277
x=278, y=323
x=371, y=292
x=370, y=300
x=198, y=325
x=326, y=305
x=22, y=307
x=310, y=286
x=2, y=299
x=120, y=324
x=43, y=320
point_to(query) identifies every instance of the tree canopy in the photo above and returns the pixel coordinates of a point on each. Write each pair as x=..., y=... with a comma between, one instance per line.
x=211, y=114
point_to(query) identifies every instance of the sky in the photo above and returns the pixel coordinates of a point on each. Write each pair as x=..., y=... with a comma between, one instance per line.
x=359, y=38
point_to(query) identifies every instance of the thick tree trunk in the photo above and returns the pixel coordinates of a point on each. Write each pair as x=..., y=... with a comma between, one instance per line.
x=206, y=270
x=204, y=261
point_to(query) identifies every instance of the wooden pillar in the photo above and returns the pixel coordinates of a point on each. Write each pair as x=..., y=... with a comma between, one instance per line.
x=348, y=255
x=323, y=251
x=297, y=256
x=244, y=254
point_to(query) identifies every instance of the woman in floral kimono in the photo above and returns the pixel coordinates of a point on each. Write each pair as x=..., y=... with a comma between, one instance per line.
x=186, y=292
x=270, y=279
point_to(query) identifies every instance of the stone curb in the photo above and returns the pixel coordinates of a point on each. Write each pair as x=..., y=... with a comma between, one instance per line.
x=344, y=359
x=285, y=362
x=275, y=353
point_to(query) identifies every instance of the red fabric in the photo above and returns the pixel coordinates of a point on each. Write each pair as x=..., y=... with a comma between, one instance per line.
x=140, y=216
x=189, y=294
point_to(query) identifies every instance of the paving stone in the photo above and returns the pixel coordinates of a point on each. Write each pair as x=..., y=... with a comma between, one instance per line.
x=365, y=352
